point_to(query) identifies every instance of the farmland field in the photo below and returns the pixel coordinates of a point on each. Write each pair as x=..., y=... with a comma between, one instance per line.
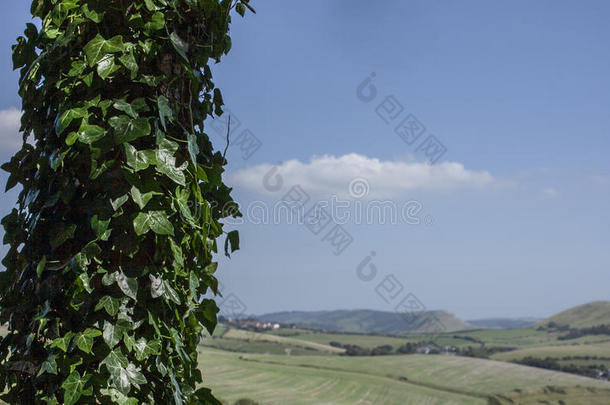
x=557, y=351
x=272, y=379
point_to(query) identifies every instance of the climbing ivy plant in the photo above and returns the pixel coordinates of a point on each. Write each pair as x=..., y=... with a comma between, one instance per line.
x=116, y=226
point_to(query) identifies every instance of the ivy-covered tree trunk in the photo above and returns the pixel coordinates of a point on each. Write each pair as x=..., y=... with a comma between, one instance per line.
x=112, y=243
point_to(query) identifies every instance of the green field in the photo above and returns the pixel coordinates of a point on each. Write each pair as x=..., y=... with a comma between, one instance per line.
x=557, y=351
x=413, y=379
x=366, y=341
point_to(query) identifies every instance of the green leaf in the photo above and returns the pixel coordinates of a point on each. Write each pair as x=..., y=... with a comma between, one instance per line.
x=106, y=67
x=127, y=129
x=129, y=61
x=139, y=160
x=63, y=342
x=165, y=111
x=145, y=349
x=110, y=304
x=84, y=279
x=155, y=220
x=241, y=9
x=101, y=228
x=125, y=107
x=166, y=162
x=194, y=285
x=113, y=333
x=116, y=363
x=171, y=294
x=128, y=285
x=99, y=47
x=48, y=366
x=233, y=241
x=180, y=45
x=90, y=133
x=157, y=22
x=134, y=375
x=84, y=340
x=141, y=199
x=73, y=388
x=65, y=119
x=118, y=203
x=118, y=397
x=193, y=148
x=176, y=391
x=157, y=286
x=41, y=266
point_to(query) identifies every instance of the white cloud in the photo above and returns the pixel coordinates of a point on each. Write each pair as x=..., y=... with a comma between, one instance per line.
x=550, y=192
x=10, y=140
x=602, y=179
x=330, y=175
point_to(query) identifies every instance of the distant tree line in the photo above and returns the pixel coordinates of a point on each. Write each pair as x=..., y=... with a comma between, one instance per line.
x=355, y=350
x=594, y=330
x=549, y=363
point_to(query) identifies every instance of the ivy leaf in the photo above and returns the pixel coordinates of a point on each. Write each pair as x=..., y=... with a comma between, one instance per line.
x=193, y=148
x=84, y=340
x=116, y=363
x=63, y=342
x=171, y=294
x=181, y=200
x=118, y=203
x=145, y=349
x=125, y=107
x=180, y=45
x=113, y=333
x=128, y=285
x=90, y=133
x=241, y=9
x=65, y=119
x=210, y=311
x=166, y=162
x=165, y=111
x=141, y=199
x=157, y=286
x=127, y=129
x=99, y=47
x=156, y=23
x=129, y=61
x=155, y=220
x=48, y=366
x=194, y=284
x=136, y=378
x=101, y=228
x=110, y=304
x=233, y=241
x=177, y=391
x=106, y=67
x=73, y=387
x=84, y=280
x=118, y=397
x=139, y=160
x=41, y=266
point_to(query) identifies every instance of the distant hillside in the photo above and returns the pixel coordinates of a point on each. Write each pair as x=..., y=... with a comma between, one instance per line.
x=583, y=316
x=367, y=321
x=504, y=323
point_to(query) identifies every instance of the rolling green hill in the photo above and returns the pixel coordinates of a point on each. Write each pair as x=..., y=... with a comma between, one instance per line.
x=368, y=321
x=399, y=380
x=583, y=316
x=504, y=323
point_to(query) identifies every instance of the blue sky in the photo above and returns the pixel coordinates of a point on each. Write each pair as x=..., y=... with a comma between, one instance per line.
x=514, y=214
